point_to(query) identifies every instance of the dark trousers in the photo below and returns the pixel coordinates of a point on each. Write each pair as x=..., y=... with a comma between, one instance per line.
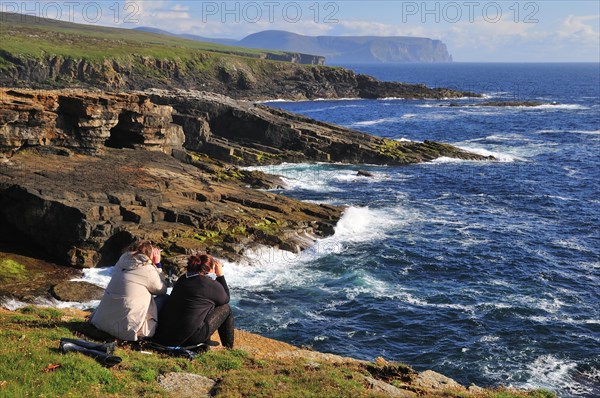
x=221, y=319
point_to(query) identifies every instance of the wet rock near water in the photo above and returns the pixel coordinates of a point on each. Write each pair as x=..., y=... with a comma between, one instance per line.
x=88, y=210
x=363, y=173
x=25, y=277
x=86, y=172
x=77, y=291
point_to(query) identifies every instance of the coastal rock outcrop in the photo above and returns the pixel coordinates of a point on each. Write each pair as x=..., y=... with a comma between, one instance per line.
x=235, y=77
x=84, y=209
x=246, y=133
x=85, y=172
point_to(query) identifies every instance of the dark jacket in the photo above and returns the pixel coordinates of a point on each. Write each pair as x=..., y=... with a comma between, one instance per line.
x=185, y=311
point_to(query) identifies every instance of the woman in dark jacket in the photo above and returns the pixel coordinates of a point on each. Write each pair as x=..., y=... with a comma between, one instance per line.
x=197, y=307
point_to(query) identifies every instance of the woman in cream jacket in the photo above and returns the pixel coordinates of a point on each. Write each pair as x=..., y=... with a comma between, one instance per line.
x=127, y=309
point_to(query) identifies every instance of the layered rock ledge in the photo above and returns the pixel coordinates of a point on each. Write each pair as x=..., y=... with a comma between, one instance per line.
x=84, y=172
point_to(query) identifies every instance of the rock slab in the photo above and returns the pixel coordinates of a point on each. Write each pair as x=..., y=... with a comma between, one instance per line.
x=77, y=291
x=186, y=385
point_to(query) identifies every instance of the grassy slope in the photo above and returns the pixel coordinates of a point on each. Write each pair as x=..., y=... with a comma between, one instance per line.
x=112, y=52
x=29, y=343
x=29, y=36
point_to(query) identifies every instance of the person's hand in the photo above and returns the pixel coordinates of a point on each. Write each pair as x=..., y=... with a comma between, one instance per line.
x=218, y=267
x=155, y=256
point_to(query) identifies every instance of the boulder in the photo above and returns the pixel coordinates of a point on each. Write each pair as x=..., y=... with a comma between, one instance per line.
x=430, y=380
x=186, y=385
x=77, y=291
x=363, y=173
x=388, y=389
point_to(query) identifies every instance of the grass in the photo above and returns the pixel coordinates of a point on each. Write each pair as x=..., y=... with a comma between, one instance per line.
x=109, y=52
x=42, y=39
x=11, y=270
x=29, y=344
x=29, y=36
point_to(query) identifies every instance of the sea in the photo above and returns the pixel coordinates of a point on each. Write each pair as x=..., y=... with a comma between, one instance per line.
x=485, y=271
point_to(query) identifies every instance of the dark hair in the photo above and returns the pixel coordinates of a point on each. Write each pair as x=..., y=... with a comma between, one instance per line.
x=199, y=263
x=142, y=247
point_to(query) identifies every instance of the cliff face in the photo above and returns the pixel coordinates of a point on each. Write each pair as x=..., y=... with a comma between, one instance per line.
x=43, y=53
x=236, y=77
x=84, y=172
x=353, y=49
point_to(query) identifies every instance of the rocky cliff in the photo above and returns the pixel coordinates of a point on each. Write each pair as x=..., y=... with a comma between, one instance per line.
x=84, y=172
x=236, y=77
x=353, y=49
x=52, y=54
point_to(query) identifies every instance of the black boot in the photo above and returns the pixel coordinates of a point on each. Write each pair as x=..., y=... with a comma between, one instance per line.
x=108, y=348
x=105, y=359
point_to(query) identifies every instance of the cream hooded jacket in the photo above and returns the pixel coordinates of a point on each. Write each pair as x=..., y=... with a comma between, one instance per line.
x=127, y=309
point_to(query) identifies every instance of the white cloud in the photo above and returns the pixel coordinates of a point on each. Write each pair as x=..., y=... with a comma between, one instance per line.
x=574, y=27
x=573, y=38
x=367, y=28
x=179, y=7
x=242, y=29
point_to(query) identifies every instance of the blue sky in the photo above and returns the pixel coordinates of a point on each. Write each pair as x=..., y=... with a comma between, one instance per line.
x=474, y=30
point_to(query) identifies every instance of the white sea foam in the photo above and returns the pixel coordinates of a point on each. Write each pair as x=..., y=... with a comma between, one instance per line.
x=590, y=265
x=563, y=320
x=376, y=121
x=557, y=106
x=445, y=159
x=311, y=100
x=549, y=371
x=480, y=112
x=570, y=243
x=507, y=137
x=406, y=117
x=352, y=176
x=489, y=339
x=267, y=268
x=330, y=108
x=12, y=304
x=495, y=94
x=274, y=100
x=500, y=156
x=316, y=185
x=303, y=176
x=584, y=132
x=336, y=99
x=97, y=276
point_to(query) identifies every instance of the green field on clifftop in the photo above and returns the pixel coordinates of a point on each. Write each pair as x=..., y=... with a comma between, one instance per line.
x=37, y=37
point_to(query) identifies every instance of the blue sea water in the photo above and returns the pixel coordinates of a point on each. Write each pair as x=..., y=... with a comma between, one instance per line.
x=488, y=272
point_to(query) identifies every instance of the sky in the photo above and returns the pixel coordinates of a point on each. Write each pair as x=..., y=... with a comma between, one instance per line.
x=473, y=30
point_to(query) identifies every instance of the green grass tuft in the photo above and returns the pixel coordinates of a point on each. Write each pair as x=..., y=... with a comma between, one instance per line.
x=11, y=270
